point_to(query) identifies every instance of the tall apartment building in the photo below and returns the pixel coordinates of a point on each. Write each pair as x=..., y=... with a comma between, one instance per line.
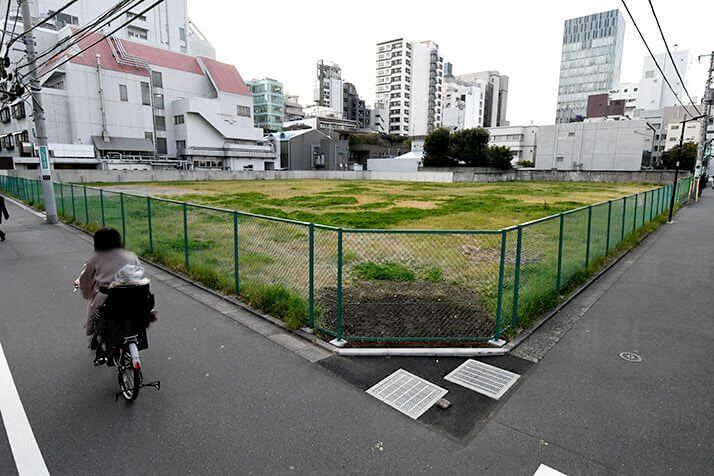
x=653, y=90
x=328, y=87
x=409, y=86
x=494, y=91
x=590, y=61
x=268, y=104
x=354, y=107
x=165, y=26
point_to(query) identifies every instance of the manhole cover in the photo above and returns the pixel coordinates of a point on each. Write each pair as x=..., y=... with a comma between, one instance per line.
x=630, y=357
x=483, y=378
x=407, y=393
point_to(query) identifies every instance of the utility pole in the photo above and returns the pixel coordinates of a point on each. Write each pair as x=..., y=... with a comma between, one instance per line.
x=39, y=118
x=707, y=102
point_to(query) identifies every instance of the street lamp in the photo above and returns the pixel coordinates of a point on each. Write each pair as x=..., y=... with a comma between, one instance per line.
x=679, y=159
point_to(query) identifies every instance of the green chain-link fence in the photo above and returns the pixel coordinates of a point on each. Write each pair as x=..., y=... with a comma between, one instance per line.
x=371, y=285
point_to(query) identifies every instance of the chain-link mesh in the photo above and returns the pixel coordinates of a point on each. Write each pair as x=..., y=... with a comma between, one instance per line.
x=616, y=223
x=168, y=233
x=575, y=235
x=599, y=220
x=211, y=247
x=419, y=285
x=325, y=279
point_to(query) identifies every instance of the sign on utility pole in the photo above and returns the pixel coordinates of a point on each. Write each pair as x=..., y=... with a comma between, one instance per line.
x=48, y=190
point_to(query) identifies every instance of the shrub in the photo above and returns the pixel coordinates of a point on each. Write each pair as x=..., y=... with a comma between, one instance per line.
x=499, y=157
x=383, y=271
x=526, y=163
x=278, y=301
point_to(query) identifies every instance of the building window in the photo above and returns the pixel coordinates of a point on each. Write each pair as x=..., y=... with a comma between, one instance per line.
x=5, y=115
x=248, y=168
x=161, y=146
x=160, y=123
x=18, y=110
x=149, y=136
x=182, y=33
x=571, y=134
x=243, y=111
x=180, y=145
x=135, y=16
x=145, y=94
x=559, y=159
x=178, y=119
x=136, y=32
x=123, y=93
x=157, y=79
x=158, y=101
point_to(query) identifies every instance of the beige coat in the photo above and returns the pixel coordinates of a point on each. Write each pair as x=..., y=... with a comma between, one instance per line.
x=99, y=271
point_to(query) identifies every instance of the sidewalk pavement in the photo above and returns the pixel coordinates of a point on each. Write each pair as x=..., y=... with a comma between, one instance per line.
x=233, y=401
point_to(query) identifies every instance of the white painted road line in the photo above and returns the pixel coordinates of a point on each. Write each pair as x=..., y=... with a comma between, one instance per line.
x=28, y=457
x=544, y=470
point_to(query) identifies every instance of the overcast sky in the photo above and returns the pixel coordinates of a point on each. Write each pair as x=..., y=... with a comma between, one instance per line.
x=520, y=38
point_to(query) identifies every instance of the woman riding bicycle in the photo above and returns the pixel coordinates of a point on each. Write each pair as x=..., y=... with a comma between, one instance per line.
x=108, y=258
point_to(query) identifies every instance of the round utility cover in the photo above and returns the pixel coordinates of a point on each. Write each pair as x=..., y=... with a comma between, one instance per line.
x=630, y=357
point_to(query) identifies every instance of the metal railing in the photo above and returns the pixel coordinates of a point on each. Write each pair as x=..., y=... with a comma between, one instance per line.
x=447, y=286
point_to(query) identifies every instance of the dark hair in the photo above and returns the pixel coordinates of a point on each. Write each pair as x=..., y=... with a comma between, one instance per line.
x=106, y=239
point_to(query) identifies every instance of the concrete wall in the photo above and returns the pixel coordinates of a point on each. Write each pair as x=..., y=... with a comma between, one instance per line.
x=83, y=176
x=443, y=175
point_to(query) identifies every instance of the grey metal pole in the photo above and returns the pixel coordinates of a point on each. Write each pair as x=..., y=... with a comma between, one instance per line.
x=707, y=103
x=39, y=117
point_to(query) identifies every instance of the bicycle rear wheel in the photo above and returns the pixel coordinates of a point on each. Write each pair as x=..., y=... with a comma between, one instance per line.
x=129, y=378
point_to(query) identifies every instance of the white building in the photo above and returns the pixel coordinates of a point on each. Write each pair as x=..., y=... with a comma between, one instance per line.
x=603, y=145
x=653, y=90
x=521, y=140
x=628, y=92
x=462, y=105
x=166, y=26
x=139, y=106
x=494, y=95
x=409, y=83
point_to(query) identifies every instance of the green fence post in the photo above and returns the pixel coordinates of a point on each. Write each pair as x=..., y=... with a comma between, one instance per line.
x=236, y=276
x=644, y=209
x=86, y=205
x=311, y=284
x=338, y=327
x=587, y=243
x=74, y=208
x=123, y=218
x=101, y=206
x=609, y=219
x=560, y=254
x=150, y=225
x=634, y=220
x=499, y=302
x=62, y=197
x=517, y=277
x=185, y=236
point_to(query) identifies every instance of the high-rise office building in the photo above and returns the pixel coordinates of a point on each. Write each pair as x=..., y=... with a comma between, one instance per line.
x=590, y=61
x=268, y=104
x=409, y=86
x=328, y=87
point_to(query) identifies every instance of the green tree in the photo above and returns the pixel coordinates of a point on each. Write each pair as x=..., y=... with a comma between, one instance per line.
x=687, y=161
x=437, y=150
x=499, y=157
x=470, y=146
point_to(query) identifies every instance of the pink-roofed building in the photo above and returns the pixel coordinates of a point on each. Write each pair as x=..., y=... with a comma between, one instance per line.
x=125, y=104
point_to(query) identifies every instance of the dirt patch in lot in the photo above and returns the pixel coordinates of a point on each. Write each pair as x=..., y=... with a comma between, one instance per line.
x=386, y=309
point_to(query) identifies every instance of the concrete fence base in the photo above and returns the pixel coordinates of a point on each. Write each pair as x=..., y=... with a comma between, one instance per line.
x=447, y=175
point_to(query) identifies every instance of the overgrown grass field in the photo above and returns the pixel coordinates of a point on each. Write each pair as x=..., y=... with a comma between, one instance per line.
x=383, y=204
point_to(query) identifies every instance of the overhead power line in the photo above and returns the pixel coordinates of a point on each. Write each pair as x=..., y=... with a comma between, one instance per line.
x=41, y=22
x=4, y=28
x=672, y=59
x=85, y=31
x=103, y=37
x=649, y=50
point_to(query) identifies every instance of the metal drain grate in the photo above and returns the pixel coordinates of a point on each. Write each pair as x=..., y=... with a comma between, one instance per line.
x=407, y=393
x=483, y=378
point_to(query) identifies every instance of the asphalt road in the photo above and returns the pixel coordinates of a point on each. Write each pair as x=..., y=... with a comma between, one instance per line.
x=233, y=401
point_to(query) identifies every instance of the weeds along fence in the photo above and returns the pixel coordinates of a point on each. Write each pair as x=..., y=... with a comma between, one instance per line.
x=456, y=286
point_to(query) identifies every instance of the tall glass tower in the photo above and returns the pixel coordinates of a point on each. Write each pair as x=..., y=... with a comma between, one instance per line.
x=590, y=61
